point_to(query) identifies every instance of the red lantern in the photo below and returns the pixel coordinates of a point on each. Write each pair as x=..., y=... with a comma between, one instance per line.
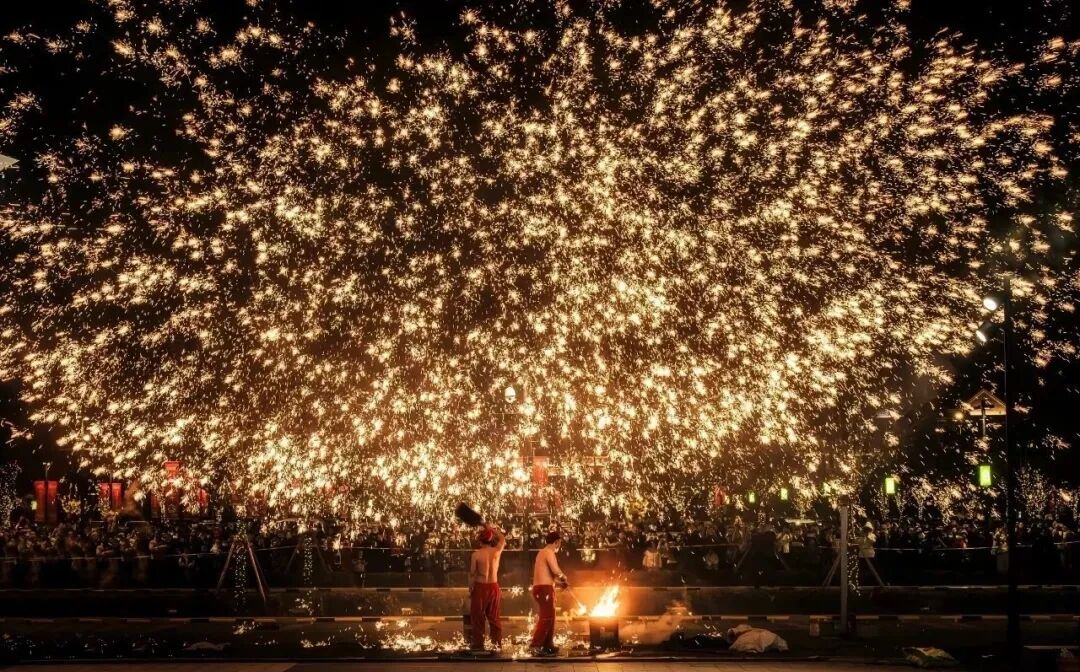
x=172, y=490
x=540, y=481
x=48, y=508
x=719, y=497
x=110, y=496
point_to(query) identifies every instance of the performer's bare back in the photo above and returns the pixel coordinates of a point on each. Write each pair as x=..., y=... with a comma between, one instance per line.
x=484, y=567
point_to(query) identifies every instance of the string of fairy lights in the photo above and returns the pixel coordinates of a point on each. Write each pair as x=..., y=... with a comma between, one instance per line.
x=715, y=245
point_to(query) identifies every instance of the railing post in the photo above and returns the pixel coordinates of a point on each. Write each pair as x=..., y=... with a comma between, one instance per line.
x=843, y=550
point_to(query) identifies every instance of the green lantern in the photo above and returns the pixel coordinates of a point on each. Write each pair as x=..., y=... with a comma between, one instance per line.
x=986, y=477
x=890, y=485
x=751, y=497
x=783, y=494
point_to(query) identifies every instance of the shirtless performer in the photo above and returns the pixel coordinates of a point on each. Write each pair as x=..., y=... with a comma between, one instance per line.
x=546, y=575
x=484, y=587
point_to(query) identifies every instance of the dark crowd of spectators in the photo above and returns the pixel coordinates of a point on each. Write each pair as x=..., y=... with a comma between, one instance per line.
x=722, y=550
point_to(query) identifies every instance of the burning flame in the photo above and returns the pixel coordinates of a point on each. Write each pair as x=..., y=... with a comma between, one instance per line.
x=608, y=604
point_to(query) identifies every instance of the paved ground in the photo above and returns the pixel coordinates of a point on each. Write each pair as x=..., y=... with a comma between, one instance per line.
x=409, y=630
x=402, y=645
x=493, y=666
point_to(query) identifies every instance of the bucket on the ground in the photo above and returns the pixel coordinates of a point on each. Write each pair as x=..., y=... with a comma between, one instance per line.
x=603, y=634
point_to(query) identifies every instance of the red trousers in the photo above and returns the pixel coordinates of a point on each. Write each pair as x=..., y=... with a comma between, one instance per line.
x=486, y=600
x=544, y=632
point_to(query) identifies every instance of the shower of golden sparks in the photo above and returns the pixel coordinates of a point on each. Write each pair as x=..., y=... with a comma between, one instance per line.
x=702, y=253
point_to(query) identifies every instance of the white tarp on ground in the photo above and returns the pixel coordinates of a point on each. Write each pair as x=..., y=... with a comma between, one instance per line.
x=7, y=162
x=745, y=639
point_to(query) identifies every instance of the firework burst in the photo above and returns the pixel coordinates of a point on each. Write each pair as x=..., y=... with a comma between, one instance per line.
x=716, y=245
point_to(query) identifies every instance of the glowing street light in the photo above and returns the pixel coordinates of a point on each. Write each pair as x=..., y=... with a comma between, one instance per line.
x=986, y=476
x=783, y=494
x=890, y=485
x=751, y=497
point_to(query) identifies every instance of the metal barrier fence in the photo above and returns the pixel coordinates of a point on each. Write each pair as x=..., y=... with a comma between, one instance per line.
x=295, y=566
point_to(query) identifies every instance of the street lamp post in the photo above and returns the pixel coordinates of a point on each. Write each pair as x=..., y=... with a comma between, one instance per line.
x=46, y=514
x=983, y=404
x=1011, y=508
x=1013, y=600
x=884, y=419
